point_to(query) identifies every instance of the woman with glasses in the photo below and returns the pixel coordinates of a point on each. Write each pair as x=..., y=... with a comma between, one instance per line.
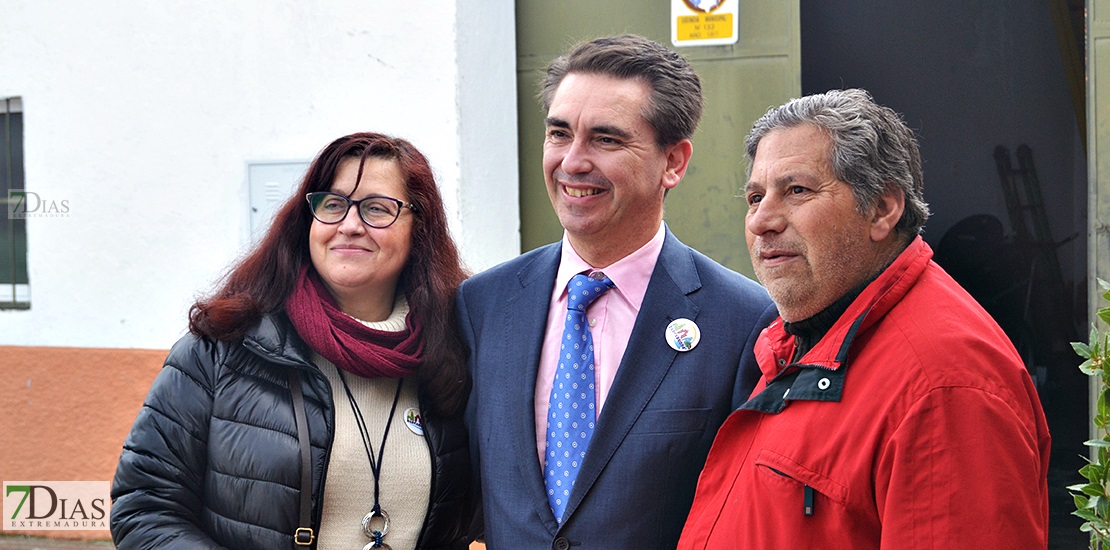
x=317, y=399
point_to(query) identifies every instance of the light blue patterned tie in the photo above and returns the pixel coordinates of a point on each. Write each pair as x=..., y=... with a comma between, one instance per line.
x=571, y=413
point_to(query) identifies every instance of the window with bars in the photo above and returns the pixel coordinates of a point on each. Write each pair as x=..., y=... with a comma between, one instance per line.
x=15, y=288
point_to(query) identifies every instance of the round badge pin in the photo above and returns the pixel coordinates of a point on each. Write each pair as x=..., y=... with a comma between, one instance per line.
x=683, y=335
x=414, y=421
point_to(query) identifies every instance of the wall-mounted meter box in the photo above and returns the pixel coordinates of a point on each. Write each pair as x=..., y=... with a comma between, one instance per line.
x=269, y=185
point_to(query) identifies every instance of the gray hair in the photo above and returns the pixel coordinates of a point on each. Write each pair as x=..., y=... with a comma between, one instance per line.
x=676, y=97
x=872, y=148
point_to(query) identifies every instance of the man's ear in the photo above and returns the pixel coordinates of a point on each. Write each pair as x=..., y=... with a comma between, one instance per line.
x=678, y=160
x=886, y=213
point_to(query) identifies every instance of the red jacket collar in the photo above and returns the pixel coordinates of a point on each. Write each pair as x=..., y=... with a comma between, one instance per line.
x=775, y=347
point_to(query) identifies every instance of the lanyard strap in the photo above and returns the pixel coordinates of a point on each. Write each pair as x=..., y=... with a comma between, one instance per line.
x=375, y=466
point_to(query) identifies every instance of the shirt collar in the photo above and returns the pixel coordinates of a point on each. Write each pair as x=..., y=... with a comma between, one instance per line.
x=819, y=374
x=627, y=273
x=775, y=346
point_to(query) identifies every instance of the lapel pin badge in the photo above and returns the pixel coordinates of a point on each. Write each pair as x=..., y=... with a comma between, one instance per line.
x=683, y=334
x=414, y=421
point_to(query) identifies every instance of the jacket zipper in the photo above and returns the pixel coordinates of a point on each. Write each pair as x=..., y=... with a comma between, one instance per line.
x=432, y=484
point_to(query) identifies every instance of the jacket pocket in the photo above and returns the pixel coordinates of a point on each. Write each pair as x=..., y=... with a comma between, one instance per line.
x=786, y=473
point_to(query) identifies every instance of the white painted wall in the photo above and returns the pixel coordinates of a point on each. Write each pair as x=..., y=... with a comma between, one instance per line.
x=143, y=115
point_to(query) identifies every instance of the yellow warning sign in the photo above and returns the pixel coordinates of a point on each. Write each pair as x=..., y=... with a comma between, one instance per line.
x=704, y=26
x=704, y=22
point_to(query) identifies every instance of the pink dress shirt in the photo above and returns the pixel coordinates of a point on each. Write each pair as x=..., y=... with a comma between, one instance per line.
x=611, y=319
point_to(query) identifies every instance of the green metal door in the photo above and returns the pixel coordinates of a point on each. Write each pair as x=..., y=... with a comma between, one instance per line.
x=741, y=82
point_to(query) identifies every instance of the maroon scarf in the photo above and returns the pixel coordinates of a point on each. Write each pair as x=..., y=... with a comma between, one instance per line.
x=346, y=342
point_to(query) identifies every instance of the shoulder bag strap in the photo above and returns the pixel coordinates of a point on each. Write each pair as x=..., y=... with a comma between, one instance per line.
x=304, y=534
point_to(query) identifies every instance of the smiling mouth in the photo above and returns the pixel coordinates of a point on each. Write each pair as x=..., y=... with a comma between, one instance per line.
x=349, y=248
x=574, y=192
x=774, y=256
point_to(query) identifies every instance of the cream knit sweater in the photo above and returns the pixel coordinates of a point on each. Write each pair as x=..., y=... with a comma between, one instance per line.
x=406, y=468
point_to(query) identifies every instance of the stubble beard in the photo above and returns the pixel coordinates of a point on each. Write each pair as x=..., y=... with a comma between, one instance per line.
x=801, y=293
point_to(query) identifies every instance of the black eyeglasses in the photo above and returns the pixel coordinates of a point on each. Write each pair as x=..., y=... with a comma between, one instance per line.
x=376, y=210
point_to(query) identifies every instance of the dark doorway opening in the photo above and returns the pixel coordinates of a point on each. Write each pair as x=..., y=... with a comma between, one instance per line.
x=977, y=79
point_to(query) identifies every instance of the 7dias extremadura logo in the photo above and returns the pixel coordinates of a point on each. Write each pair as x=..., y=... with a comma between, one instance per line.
x=56, y=505
x=23, y=204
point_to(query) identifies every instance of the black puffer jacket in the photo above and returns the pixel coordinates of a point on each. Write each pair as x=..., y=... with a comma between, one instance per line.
x=213, y=458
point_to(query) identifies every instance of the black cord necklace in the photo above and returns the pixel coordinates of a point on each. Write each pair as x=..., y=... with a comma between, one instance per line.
x=368, y=521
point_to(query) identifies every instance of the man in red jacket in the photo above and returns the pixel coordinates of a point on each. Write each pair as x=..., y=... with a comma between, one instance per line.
x=893, y=412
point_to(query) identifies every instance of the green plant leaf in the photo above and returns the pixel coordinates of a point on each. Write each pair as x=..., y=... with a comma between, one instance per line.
x=1098, y=526
x=1092, y=472
x=1080, y=501
x=1081, y=349
x=1090, y=499
x=1096, y=490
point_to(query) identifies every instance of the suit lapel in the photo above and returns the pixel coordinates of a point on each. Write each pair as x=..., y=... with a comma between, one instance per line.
x=525, y=321
x=646, y=359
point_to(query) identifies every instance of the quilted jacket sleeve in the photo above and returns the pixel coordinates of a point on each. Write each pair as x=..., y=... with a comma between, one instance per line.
x=157, y=493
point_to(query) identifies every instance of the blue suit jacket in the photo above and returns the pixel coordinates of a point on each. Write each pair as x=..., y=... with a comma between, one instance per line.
x=637, y=481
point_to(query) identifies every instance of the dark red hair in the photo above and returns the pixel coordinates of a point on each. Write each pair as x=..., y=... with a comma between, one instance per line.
x=261, y=282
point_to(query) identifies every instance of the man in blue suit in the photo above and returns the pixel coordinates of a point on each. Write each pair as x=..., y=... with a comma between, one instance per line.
x=603, y=449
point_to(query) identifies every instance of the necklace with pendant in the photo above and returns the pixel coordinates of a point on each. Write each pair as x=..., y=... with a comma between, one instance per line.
x=376, y=523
